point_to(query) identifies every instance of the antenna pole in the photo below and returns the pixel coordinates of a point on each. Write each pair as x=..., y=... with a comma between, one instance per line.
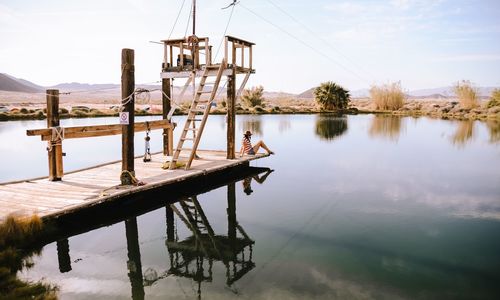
x=194, y=17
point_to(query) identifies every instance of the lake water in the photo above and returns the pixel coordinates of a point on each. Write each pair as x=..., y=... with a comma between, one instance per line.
x=357, y=207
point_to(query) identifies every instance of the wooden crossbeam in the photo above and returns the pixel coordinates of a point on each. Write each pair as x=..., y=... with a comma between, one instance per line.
x=99, y=130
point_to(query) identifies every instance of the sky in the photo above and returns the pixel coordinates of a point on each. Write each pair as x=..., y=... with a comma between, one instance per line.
x=299, y=44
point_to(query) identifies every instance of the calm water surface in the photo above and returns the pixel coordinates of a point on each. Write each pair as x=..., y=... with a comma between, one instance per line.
x=357, y=207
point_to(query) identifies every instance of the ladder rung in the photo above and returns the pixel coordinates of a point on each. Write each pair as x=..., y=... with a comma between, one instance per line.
x=198, y=110
x=192, y=129
x=194, y=119
x=204, y=92
x=187, y=139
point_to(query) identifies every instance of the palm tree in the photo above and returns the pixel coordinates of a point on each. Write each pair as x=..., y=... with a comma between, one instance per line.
x=332, y=96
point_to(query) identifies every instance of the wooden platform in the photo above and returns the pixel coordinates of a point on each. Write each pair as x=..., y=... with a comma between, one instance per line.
x=99, y=184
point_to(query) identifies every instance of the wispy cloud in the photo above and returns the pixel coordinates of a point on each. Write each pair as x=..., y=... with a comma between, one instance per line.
x=469, y=57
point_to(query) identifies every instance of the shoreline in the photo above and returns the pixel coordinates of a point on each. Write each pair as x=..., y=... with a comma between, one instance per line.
x=433, y=108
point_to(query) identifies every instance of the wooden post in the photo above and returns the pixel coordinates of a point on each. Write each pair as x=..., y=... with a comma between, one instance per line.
x=231, y=114
x=55, y=145
x=134, y=264
x=128, y=101
x=170, y=223
x=231, y=212
x=165, y=86
x=63, y=256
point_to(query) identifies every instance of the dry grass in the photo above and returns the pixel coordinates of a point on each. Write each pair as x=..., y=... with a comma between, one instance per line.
x=464, y=133
x=15, y=236
x=388, y=96
x=386, y=126
x=467, y=94
x=494, y=99
x=15, y=231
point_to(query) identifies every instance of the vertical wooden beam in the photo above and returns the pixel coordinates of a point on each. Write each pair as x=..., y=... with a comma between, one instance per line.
x=231, y=212
x=134, y=264
x=128, y=100
x=250, y=57
x=233, y=54
x=169, y=213
x=166, y=106
x=226, y=44
x=63, y=256
x=231, y=114
x=209, y=55
x=242, y=56
x=181, y=61
x=171, y=56
x=55, y=146
x=165, y=56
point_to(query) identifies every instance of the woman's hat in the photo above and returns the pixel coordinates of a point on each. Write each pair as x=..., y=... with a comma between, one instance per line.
x=248, y=133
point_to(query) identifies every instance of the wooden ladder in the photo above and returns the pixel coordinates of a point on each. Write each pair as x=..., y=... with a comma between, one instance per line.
x=197, y=106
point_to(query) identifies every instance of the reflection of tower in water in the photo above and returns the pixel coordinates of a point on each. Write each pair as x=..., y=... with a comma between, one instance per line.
x=194, y=256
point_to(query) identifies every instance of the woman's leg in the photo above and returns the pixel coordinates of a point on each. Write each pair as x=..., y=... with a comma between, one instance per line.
x=257, y=146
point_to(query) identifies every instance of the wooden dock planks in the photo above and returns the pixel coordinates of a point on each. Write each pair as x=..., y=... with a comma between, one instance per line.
x=87, y=187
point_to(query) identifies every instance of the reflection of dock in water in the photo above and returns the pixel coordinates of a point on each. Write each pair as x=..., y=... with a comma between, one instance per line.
x=194, y=256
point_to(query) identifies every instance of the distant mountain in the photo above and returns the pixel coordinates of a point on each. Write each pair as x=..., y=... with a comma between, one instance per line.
x=13, y=84
x=447, y=92
x=309, y=94
x=75, y=86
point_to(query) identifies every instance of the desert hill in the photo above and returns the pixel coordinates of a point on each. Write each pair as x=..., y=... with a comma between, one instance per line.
x=12, y=84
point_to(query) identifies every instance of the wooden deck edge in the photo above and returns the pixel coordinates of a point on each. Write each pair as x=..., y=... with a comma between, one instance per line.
x=130, y=191
x=87, y=168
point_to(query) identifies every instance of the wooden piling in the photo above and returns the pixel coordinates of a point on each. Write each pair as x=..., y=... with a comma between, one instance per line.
x=231, y=211
x=231, y=114
x=166, y=95
x=128, y=101
x=134, y=264
x=55, y=144
x=63, y=256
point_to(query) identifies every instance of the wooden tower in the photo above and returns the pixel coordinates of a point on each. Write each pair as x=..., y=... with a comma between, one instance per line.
x=191, y=58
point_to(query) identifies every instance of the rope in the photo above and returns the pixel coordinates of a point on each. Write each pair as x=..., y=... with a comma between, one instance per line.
x=57, y=134
x=233, y=5
x=176, y=19
x=189, y=19
x=305, y=44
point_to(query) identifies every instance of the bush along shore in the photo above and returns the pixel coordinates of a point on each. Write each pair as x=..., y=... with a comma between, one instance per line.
x=445, y=109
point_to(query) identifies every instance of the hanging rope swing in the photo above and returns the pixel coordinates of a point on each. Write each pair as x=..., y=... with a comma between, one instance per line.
x=147, y=148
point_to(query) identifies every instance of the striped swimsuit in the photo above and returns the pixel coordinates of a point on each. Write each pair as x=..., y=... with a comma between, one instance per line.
x=247, y=146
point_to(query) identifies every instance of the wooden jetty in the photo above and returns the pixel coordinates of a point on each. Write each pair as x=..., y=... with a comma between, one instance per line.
x=93, y=186
x=62, y=193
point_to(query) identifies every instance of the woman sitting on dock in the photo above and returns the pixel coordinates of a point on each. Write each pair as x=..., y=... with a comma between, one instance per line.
x=247, y=148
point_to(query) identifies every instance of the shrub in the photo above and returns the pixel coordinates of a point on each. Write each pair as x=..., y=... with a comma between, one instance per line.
x=24, y=110
x=253, y=97
x=466, y=93
x=388, y=96
x=330, y=95
x=494, y=99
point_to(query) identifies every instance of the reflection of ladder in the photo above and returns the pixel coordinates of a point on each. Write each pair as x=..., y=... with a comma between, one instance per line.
x=198, y=106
